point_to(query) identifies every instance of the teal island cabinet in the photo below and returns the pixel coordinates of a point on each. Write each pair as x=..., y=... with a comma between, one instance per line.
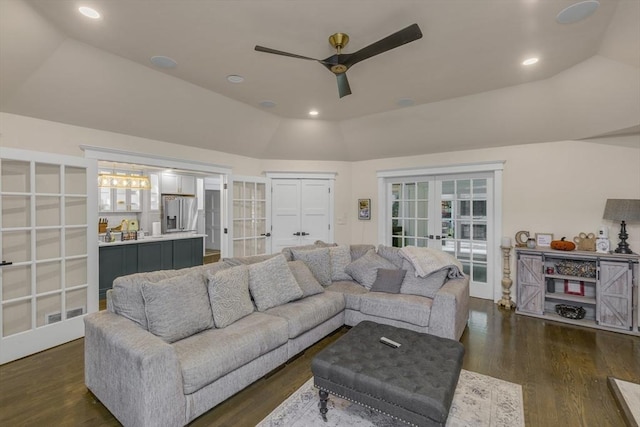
x=166, y=253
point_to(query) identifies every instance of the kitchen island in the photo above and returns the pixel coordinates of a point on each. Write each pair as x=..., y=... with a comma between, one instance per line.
x=165, y=252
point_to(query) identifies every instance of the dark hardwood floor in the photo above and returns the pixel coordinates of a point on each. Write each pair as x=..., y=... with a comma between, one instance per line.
x=563, y=371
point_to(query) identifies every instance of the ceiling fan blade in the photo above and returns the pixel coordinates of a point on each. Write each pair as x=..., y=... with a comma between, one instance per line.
x=343, y=85
x=279, y=52
x=404, y=36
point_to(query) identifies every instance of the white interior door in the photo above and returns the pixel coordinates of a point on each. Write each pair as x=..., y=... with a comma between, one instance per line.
x=212, y=219
x=314, y=210
x=250, y=207
x=49, y=248
x=301, y=212
x=286, y=215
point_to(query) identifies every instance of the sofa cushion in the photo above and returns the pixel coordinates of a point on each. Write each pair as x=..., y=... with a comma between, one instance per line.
x=406, y=308
x=271, y=283
x=391, y=253
x=177, y=307
x=288, y=254
x=365, y=269
x=229, y=295
x=309, y=312
x=211, y=354
x=247, y=260
x=388, y=281
x=423, y=286
x=351, y=291
x=358, y=250
x=340, y=258
x=305, y=278
x=318, y=261
x=126, y=296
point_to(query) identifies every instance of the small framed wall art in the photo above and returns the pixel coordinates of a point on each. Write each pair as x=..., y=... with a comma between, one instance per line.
x=364, y=209
x=544, y=239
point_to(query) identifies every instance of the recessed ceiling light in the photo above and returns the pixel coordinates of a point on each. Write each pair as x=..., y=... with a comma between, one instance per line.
x=577, y=12
x=267, y=104
x=313, y=113
x=234, y=78
x=530, y=61
x=89, y=12
x=163, y=62
x=405, y=102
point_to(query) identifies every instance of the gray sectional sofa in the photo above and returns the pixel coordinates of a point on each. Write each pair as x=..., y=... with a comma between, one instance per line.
x=173, y=344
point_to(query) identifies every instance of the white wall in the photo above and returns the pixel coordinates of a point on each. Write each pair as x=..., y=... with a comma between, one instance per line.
x=558, y=187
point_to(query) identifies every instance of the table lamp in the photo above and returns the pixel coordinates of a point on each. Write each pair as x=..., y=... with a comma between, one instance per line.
x=622, y=210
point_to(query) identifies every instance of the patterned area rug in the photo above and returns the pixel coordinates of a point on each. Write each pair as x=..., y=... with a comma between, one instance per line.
x=479, y=400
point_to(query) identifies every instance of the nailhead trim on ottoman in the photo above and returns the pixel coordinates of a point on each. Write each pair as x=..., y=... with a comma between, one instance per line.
x=414, y=383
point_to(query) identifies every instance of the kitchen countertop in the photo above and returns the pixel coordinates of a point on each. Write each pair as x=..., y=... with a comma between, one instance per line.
x=149, y=239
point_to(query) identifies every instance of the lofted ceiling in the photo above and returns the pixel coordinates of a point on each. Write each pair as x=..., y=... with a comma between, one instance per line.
x=461, y=86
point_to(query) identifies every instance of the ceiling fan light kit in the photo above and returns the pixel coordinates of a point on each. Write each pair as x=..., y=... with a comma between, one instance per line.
x=340, y=62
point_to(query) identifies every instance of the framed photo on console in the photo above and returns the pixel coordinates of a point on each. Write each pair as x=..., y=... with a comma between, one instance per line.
x=364, y=209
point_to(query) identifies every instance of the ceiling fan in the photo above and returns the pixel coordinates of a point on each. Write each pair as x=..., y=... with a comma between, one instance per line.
x=340, y=62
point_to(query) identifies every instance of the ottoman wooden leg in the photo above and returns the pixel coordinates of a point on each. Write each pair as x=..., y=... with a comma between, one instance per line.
x=324, y=396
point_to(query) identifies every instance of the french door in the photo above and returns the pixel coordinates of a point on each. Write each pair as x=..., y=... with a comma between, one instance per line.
x=249, y=207
x=452, y=213
x=301, y=212
x=48, y=248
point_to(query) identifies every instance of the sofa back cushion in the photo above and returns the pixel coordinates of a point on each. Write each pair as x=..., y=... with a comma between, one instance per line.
x=126, y=295
x=229, y=295
x=365, y=269
x=424, y=286
x=391, y=253
x=358, y=250
x=177, y=307
x=340, y=257
x=305, y=278
x=318, y=261
x=271, y=283
x=247, y=260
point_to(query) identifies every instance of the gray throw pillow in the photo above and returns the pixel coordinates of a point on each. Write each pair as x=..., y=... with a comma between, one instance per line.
x=388, y=281
x=340, y=258
x=318, y=261
x=177, y=307
x=365, y=269
x=288, y=253
x=358, y=250
x=391, y=253
x=423, y=286
x=305, y=278
x=229, y=295
x=272, y=284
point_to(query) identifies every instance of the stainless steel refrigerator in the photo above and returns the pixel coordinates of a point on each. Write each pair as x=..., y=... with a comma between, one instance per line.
x=179, y=213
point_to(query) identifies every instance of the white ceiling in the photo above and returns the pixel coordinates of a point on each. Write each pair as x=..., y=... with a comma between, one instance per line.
x=465, y=74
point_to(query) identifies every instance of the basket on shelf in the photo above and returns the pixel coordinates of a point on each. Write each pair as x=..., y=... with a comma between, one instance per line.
x=576, y=268
x=570, y=311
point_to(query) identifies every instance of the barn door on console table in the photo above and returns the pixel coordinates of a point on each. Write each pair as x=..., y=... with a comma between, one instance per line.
x=614, y=292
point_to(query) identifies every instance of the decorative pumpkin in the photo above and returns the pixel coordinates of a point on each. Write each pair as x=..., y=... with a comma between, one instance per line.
x=563, y=245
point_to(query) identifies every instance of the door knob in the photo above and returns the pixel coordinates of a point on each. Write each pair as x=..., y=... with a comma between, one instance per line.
x=297, y=234
x=304, y=234
x=266, y=234
x=3, y=263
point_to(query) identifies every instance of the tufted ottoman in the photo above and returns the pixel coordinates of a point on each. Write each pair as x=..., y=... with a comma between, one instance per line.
x=414, y=383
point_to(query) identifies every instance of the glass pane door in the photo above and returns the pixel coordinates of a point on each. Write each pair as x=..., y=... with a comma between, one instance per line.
x=448, y=213
x=410, y=219
x=48, y=282
x=464, y=224
x=251, y=225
